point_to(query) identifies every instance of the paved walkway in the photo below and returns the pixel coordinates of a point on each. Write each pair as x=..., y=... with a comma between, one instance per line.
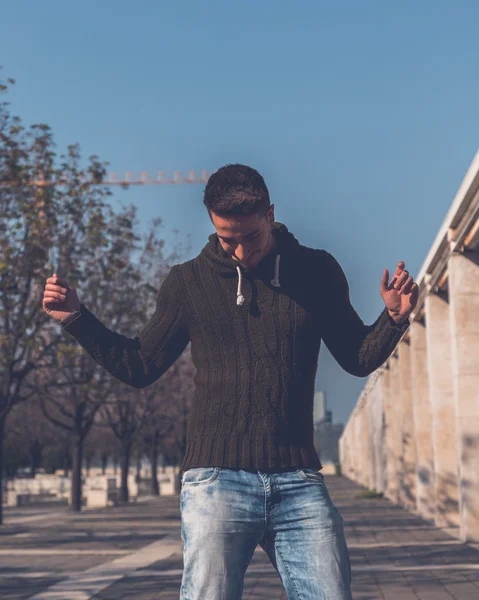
x=135, y=551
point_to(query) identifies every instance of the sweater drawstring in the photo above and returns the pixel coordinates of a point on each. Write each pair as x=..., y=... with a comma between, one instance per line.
x=239, y=295
x=275, y=281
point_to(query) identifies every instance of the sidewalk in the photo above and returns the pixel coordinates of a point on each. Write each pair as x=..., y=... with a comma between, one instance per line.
x=135, y=551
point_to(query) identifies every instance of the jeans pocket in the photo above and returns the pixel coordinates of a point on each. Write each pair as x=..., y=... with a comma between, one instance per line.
x=310, y=475
x=199, y=475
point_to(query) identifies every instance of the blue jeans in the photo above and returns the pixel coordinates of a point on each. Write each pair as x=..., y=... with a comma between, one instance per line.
x=226, y=513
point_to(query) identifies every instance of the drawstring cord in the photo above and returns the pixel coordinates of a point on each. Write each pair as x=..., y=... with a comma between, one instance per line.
x=274, y=282
x=239, y=295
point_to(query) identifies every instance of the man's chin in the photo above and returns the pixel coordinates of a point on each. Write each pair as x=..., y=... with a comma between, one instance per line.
x=254, y=263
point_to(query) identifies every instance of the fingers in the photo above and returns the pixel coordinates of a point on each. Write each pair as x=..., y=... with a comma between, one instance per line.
x=54, y=290
x=49, y=299
x=54, y=294
x=406, y=287
x=399, y=268
x=414, y=294
x=403, y=282
x=56, y=280
x=410, y=287
x=384, y=281
x=400, y=277
x=397, y=273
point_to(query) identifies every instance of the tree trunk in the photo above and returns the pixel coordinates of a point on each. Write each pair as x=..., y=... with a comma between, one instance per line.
x=66, y=464
x=155, y=488
x=2, y=429
x=125, y=466
x=163, y=463
x=138, y=469
x=35, y=454
x=76, y=473
x=104, y=461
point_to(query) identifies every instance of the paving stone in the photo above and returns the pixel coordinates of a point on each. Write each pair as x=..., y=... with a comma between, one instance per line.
x=395, y=555
x=20, y=588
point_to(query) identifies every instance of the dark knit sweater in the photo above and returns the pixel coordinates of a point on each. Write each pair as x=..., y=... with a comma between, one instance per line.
x=256, y=362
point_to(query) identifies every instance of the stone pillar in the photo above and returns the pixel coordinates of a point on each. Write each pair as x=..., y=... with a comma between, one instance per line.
x=342, y=451
x=371, y=451
x=365, y=454
x=352, y=449
x=384, y=438
x=375, y=415
x=357, y=448
x=463, y=270
x=441, y=393
x=361, y=467
x=407, y=484
x=347, y=451
x=426, y=497
x=393, y=424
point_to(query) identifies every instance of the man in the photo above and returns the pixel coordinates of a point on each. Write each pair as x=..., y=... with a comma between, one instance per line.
x=255, y=305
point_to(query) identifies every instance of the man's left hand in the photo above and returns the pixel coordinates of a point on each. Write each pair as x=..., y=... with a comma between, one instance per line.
x=401, y=295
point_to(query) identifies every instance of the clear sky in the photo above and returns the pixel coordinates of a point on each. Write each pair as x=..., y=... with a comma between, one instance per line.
x=361, y=116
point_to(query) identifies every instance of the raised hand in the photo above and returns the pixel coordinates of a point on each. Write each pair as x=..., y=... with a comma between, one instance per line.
x=59, y=299
x=401, y=295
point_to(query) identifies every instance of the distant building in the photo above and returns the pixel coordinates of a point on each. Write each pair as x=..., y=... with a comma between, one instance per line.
x=326, y=441
x=319, y=406
x=326, y=433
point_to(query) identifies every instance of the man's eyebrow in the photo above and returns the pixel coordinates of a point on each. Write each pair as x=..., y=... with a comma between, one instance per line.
x=246, y=236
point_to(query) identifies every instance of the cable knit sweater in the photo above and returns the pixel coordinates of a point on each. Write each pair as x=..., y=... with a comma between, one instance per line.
x=255, y=339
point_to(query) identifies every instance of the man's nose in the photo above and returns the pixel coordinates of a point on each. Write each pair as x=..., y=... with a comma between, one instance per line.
x=242, y=253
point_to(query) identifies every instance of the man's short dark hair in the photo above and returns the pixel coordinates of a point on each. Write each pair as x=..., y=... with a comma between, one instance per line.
x=236, y=190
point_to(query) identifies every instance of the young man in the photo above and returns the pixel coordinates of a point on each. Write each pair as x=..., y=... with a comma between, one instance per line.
x=255, y=305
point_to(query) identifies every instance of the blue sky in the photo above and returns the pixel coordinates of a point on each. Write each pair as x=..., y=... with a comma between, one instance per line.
x=361, y=116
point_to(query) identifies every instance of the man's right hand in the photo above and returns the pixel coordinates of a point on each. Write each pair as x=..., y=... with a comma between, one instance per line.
x=59, y=299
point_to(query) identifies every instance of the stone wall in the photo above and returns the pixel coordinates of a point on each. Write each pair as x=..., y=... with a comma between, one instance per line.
x=414, y=432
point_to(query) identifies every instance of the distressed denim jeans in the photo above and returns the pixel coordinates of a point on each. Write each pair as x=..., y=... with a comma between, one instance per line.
x=226, y=513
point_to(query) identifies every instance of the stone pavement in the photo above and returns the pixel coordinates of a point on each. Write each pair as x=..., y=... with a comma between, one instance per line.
x=135, y=551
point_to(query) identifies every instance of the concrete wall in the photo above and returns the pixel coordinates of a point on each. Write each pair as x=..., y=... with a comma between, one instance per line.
x=414, y=433
x=464, y=308
x=425, y=484
x=439, y=352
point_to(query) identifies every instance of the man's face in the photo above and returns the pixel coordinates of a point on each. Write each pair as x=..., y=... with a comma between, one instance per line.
x=247, y=238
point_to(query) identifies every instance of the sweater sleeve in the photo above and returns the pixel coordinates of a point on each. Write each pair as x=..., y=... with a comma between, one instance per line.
x=358, y=348
x=142, y=360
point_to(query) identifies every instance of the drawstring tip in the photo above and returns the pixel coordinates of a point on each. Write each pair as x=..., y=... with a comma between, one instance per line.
x=275, y=283
x=240, y=300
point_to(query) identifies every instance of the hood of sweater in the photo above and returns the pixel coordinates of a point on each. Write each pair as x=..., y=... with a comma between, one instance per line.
x=269, y=266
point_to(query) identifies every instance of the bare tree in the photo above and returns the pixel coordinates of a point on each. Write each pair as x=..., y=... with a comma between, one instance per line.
x=30, y=430
x=33, y=222
x=126, y=414
x=104, y=445
x=127, y=411
x=76, y=386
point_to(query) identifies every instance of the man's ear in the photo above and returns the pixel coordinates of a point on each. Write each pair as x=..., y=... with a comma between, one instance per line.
x=271, y=214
